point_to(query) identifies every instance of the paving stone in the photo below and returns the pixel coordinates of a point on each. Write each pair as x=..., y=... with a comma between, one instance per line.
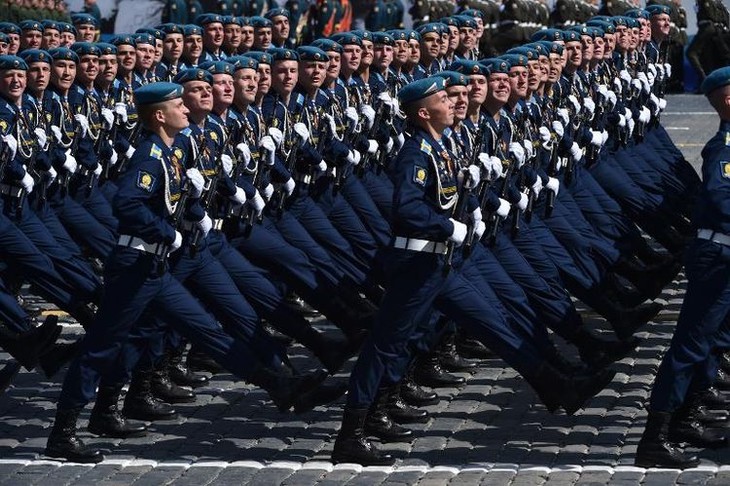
x=337, y=477
x=197, y=476
x=160, y=476
x=660, y=477
x=695, y=477
x=304, y=477
x=270, y=475
x=234, y=475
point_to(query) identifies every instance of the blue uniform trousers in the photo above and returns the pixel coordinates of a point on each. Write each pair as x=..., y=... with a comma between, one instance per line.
x=380, y=188
x=94, y=202
x=367, y=210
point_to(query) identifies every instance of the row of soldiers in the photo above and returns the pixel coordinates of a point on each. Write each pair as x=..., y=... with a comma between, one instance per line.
x=422, y=198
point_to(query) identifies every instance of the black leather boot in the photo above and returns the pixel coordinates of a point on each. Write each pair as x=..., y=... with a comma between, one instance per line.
x=471, y=348
x=379, y=424
x=165, y=389
x=449, y=357
x=622, y=292
x=106, y=420
x=27, y=346
x=285, y=389
x=326, y=392
x=63, y=443
x=685, y=427
x=141, y=404
x=724, y=361
x=179, y=371
x=199, y=361
x=713, y=398
x=332, y=351
x=598, y=352
x=399, y=411
x=7, y=374
x=412, y=392
x=428, y=372
x=556, y=389
x=58, y=355
x=722, y=380
x=655, y=449
x=625, y=322
x=353, y=446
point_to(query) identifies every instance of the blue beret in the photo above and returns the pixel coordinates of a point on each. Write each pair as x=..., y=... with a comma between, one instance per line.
x=466, y=21
x=84, y=19
x=399, y=35
x=417, y=90
x=450, y=21
x=328, y=45
x=232, y=20
x=607, y=27
x=275, y=12
x=51, y=25
x=9, y=28
x=157, y=93
x=468, y=67
x=429, y=28
x=106, y=48
x=472, y=12
x=171, y=28
x=453, y=78
x=413, y=35
x=515, y=60
x=497, y=65
x=346, y=39
x=637, y=13
x=548, y=34
x=597, y=31
x=244, y=62
x=156, y=33
x=581, y=30
x=529, y=53
x=281, y=54
x=716, y=79
x=657, y=9
x=63, y=54
x=36, y=55
x=4, y=38
x=619, y=20
x=208, y=18
x=124, y=40
x=602, y=18
x=383, y=38
x=245, y=21
x=259, y=22
x=551, y=47
x=31, y=25
x=193, y=74
x=85, y=49
x=218, y=67
x=192, y=29
x=66, y=27
x=539, y=48
x=632, y=23
x=312, y=53
x=364, y=35
x=261, y=57
x=571, y=36
x=143, y=38
x=12, y=62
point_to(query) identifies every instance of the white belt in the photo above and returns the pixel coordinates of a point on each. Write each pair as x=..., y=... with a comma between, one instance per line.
x=414, y=244
x=714, y=236
x=142, y=245
x=13, y=191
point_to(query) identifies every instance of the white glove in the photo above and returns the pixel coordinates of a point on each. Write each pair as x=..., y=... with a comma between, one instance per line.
x=617, y=86
x=372, y=146
x=351, y=114
x=576, y=152
x=537, y=186
x=97, y=170
x=660, y=70
x=121, y=110
x=177, y=243
x=389, y=145
x=108, y=116
x=130, y=151
x=523, y=202
x=227, y=163
x=369, y=115
x=205, y=224
x=395, y=105
x=604, y=137
x=611, y=97
x=496, y=170
x=553, y=184
x=636, y=84
x=276, y=135
x=516, y=150
x=27, y=182
x=652, y=69
x=479, y=229
x=662, y=104
x=239, y=197
x=596, y=138
x=476, y=215
x=654, y=103
x=245, y=151
x=589, y=105
x=331, y=120
x=268, y=144
x=83, y=123
x=545, y=135
x=321, y=167
x=625, y=76
x=385, y=97
x=302, y=131
x=621, y=121
x=574, y=101
x=504, y=208
x=268, y=191
x=41, y=136
x=651, y=78
x=459, y=234
x=631, y=124
x=258, y=203
x=289, y=186
x=628, y=114
x=56, y=131
x=400, y=140
x=51, y=175
x=668, y=69
x=12, y=144
x=602, y=90
x=354, y=157
x=558, y=128
x=474, y=175
x=529, y=150
x=197, y=182
x=70, y=164
x=563, y=115
x=644, y=115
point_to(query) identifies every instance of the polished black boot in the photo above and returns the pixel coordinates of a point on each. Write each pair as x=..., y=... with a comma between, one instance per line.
x=332, y=351
x=713, y=398
x=471, y=348
x=179, y=371
x=27, y=346
x=598, y=352
x=399, y=411
x=724, y=361
x=413, y=394
x=625, y=322
x=285, y=389
x=353, y=446
x=449, y=357
x=199, y=361
x=141, y=404
x=655, y=449
x=379, y=424
x=165, y=389
x=722, y=380
x=84, y=315
x=428, y=372
x=556, y=389
x=63, y=443
x=7, y=374
x=57, y=356
x=323, y=394
x=617, y=290
x=106, y=420
x=685, y=427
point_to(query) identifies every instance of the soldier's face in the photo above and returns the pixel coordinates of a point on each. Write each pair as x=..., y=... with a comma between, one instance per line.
x=107, y=67
x=12, y=84
x=430, y=46
x=262, y=37
x=223, y=91
x=213, y=35
x=351, y=56
x=39, y=75
x=439, y=110
x=459, y=96
x=198, y=97
x=609, y=45
x=284, y=76
x=51, y=39
x=247, y=37
x=333, y=68
x=382, y=57
x=444, y=43
x=480, y=28
x=575, y=53
x=145, y=56
x=88, y=69
x=544, y=62
x=63, y=74
x=586, y=43
x=660, y=26
x=264, y=80
x=245, y=83
x=86, y=32
x=634, y=38
x=3, y=48
x=518, y=81
x=556, y=68
x=281, y=29
x=175, y=114
x=172, y=47
x=453, y=38
x=400, y=52
x=312, y=74
x=534, y=73
x=367, y=53
x=14, y=44
x=414, y=52
x=467, y=38
x=645, y=34
x=126, y=57
x=477, y=89
x=159, y=49
x=598, y=46
x=67, y=39
x=232, y=37
x=499, y=87
x=193, y=46
x=31, y=39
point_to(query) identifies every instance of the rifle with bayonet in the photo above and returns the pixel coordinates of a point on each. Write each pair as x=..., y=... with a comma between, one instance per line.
x=477, y=149
x=459, y=214
x=210, y=192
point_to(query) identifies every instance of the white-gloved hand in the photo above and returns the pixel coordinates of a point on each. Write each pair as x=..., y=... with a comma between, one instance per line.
x=516, y=150
x=652, y=69
x=83, y=123
x=545, y=135
x=399, y=141
x=205, y=224
x=479, y=229
x=130, y=151
x=523, y=202
x=602, y=90
x=651, y=78
x=558, y=128
x=276, y=135
x=576, y=152
x=497, y=169
x=351, y=114
x=459, y=234
x=41, y=137
x=621, y=121
x=267, y=142
x=611, y=98
x=563, y=115
x=537, y=186
x=529, y=149
x=504, y=208
x=258, y=203
x=476, y=215
x=630, y=122
x=177, y=243
x=197, y=182
x=628, y=114
x=114, y=156
x=227, y=163
x=660, y=70
x=121, y=110
x=596, y=138
x=27, y=182
x=353, y=157
x=12, y=144
x=331, y=122
x=662, y=104
x=654, y=102
x=108, y=116
x=604, y=137
x=385, y=97
x=302, y=131
x=51, y=175
x=636, y=84
x=389, y=145
x=56, y=131
x=369, y=114
x=321, y=167
x=70, y=164
x=644, y=115
x=553, y=184
x=644, y=81
x=239, y=197
x=589, y=105
x=268, y=191
x=575, y=103
x=395, y=105
x=668, y=69
x=97, y=170
x=245, y=152
x=474, y=175
x=618, y=87
x=372, y=146
x=625, y=76
x=289, y=186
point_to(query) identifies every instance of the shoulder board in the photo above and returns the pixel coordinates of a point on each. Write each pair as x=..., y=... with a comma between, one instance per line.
x=727, y=139
x=156, y=152
x=300, y=99
x=186, y=131
x=426, y=147
x=79, y=90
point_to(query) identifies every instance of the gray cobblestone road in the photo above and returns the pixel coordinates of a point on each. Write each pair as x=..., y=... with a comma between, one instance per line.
x=491, y=431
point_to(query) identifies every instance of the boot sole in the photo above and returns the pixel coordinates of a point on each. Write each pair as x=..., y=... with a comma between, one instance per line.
x=131, y=435
x=80, y=460
x=592, y=391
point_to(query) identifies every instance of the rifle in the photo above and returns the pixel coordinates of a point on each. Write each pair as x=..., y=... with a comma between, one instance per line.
x=291, y=162
x=207, y=200
x=380, y=117
x=65, y=178
x=258, y=175
x=459, y=214
x=111, y=134
x=552, y=172
x=493, y=226
x=123, y=159
x=176, y=219
x=474, y=160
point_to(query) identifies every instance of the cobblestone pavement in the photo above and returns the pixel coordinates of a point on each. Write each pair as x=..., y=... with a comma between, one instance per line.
x=491, y=431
